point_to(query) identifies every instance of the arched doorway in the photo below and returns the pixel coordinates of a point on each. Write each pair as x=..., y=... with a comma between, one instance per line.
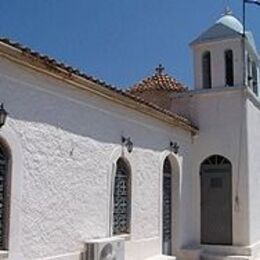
x=216, y=200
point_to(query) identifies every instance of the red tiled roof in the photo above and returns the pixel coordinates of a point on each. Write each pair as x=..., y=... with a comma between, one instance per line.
x=186, y=123
x=158, y=81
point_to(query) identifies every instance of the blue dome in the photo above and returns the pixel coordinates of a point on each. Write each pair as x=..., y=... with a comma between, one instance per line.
x=232, y=22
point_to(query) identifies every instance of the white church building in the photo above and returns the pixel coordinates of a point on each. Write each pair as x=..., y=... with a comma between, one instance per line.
x=157, y=172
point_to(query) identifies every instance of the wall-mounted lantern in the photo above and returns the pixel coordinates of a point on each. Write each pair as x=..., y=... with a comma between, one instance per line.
x=3, y=115
x=127, y=143
x=174, y=147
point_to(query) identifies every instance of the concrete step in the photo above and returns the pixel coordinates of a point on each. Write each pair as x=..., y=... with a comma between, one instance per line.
x=161, y=257
x=190, y=253
x=207, y=256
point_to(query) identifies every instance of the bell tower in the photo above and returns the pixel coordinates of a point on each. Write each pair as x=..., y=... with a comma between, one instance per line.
x=218, y=55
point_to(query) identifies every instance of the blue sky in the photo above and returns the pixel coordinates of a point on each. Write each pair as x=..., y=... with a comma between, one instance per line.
x=119, y=41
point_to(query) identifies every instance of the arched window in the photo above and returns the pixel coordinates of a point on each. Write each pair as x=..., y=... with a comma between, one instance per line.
x=254, y=76
x=167, y=207
x=229, y=67
x=122, y=198
x=206, y=70
x=4, y=197
x=249, y=74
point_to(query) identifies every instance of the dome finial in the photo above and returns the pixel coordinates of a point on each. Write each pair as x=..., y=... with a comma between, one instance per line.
x=227, y=11
x=160, y=69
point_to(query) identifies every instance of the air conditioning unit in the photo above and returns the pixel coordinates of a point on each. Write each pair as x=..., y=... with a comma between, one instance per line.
x=112, y=248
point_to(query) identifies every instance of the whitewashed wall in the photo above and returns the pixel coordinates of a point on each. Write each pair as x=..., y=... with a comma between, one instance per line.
x=253, y=118
x=217, y=50
x=221, y=118
x=65, y=143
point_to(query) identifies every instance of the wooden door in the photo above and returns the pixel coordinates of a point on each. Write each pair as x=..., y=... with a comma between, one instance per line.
x=216, y=202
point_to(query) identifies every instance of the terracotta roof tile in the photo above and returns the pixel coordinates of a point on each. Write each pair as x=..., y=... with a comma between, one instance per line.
x=158, y=81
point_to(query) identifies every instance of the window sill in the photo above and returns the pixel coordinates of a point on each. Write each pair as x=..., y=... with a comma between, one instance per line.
x=126, y=237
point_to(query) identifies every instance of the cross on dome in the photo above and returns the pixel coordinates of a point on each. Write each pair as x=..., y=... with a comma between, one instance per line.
x=160, y=69
x=227, y=11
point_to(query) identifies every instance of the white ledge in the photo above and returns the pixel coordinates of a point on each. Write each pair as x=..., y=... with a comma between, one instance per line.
x=3, y=253
x=107, y=239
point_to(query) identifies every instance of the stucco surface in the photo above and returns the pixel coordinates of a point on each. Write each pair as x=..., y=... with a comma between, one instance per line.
x=253, y=121
x=221, y=117
x=67, y=139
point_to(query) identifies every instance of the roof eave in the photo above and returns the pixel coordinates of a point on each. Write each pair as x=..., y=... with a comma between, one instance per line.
x=100, y=88
x=217, y=39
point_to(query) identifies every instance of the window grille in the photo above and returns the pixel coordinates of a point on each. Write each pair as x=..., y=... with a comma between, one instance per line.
x=216, y=160
x=167, y=207
x=4, y=198
x=122, y=199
